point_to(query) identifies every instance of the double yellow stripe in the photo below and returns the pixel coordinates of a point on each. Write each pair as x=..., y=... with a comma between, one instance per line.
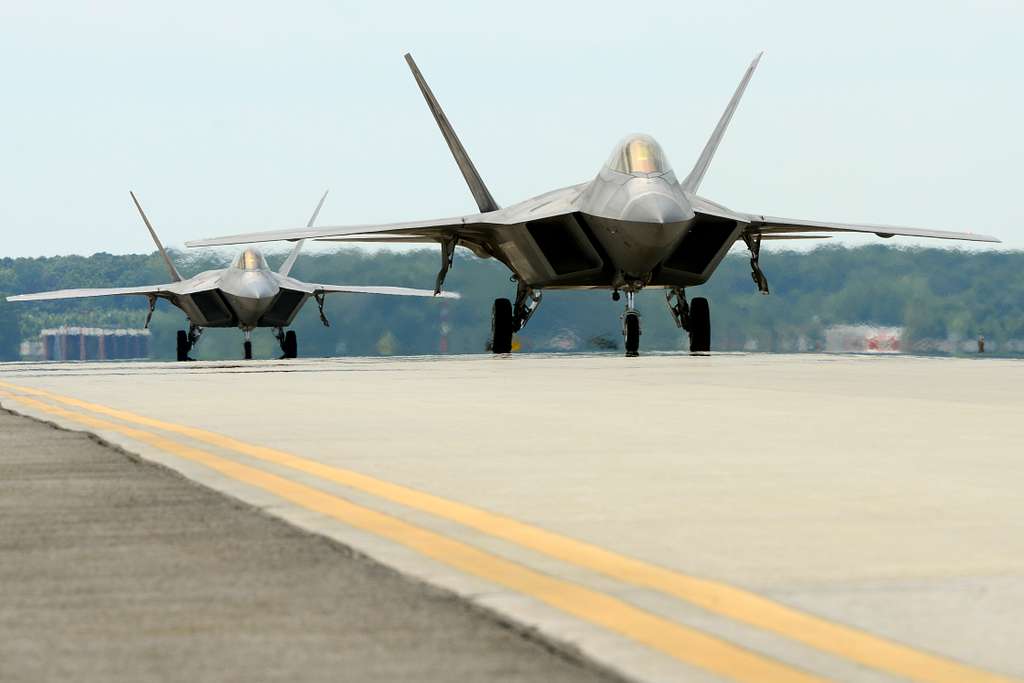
x=725, y=600
x=681, y=642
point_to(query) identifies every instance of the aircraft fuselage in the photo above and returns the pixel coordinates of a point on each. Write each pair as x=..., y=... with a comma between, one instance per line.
x=623, y=229
x=241, y=297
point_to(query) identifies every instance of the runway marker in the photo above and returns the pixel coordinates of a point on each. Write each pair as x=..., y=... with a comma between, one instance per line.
x=680, y=642
x=716, y=597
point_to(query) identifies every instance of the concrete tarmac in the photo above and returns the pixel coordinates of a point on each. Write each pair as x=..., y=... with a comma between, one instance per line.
x=732, y=517
x=113, y=569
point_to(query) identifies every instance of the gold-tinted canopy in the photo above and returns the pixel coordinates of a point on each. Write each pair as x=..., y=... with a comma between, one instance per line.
x=251, y=259
x=639, y=154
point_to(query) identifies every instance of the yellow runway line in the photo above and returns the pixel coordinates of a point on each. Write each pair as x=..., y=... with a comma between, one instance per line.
x=716, y=597
x=680, y=642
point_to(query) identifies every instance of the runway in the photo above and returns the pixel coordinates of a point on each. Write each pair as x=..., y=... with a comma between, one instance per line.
x=732, y=517
x=115, y=569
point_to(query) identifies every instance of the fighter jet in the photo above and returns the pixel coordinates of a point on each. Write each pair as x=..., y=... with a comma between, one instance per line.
x=633, y=226
x=246, y=295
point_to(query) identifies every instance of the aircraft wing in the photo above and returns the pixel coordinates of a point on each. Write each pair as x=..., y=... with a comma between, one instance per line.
x=151, y=290
x=438, y=226
x=770, y=226
x=393, y=291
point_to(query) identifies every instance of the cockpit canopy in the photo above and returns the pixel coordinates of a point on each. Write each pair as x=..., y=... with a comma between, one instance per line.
x=639, y=154
x=250, y=259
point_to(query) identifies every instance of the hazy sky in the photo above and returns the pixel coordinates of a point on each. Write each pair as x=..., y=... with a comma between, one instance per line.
x=231, y=116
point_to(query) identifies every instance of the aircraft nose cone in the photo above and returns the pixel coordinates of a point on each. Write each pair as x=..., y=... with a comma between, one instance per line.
x=655, y=207
x=256, y=288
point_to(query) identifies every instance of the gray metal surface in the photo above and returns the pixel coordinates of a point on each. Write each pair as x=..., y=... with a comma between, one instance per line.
x=112, y=569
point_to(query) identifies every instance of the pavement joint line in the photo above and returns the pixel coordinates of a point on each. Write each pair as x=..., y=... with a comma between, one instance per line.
x=719, y=598
x=683, y=643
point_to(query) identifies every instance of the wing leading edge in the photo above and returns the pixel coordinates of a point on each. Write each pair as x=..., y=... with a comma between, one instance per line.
x=771, y=226
x=158, y=290
x=391, y=291
x=412, y=228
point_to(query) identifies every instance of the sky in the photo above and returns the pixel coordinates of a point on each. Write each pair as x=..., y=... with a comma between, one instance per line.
x=231, y=116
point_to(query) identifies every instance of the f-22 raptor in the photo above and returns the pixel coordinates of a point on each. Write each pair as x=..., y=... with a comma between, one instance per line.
x=633, y=226
x=246, y=295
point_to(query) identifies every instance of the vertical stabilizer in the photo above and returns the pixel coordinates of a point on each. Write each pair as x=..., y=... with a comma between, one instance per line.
x=175, y=275
x=692, y=181
x=286, y=267
x=481, y=194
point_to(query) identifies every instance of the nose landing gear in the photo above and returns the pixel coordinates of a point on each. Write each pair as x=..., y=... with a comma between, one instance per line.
x=631, y=325
x=247, y=346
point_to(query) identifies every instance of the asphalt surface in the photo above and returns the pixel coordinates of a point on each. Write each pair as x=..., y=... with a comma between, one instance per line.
x=115, y=569
x=744, y=517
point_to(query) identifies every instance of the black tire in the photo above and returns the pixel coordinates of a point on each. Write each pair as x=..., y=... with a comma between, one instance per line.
x=291, y=345
x=631, y=328
x=700, y=326
x=183, y=346
x=501, y=326
x=247, y=348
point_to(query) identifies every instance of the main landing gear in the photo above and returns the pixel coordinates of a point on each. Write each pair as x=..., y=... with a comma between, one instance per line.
x=694, y=317
x=187, y=340
x=289, y=342
x=507, y=319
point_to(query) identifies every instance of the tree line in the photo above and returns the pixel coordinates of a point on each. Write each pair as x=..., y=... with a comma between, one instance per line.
x=932, y=293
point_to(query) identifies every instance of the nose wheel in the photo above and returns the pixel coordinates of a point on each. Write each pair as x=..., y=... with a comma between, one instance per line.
x=247, y=346
x=631, y=333
x=631, y=325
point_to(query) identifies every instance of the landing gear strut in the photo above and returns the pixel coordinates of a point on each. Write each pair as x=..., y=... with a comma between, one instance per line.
x=631, y=325
x=289, y=342
x=187, y=341
x=247, y=346
x=753, y=241
x=527, y=301
x=507, y=319
x=694, y=317
x=149, y=314
x=447, y=256
x=319, y=296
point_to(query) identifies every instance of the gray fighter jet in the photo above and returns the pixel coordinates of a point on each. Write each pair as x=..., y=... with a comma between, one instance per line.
x=633, y=226
x=246, y=295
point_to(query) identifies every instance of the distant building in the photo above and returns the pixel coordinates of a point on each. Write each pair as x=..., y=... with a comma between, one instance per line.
x=87, y=343
x=863, y=339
